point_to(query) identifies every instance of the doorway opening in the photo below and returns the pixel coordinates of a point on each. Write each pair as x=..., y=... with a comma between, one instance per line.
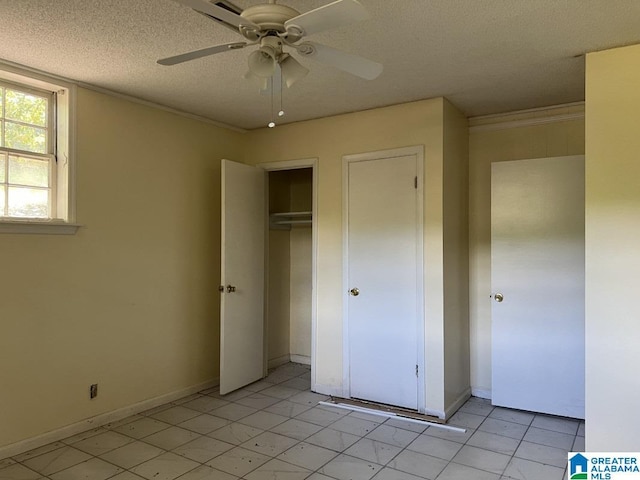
x=290, y=302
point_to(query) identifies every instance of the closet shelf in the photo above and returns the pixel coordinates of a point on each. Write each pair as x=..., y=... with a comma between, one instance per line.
x=284, y=220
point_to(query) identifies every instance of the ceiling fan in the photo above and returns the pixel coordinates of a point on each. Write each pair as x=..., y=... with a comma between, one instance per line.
x=279, y=30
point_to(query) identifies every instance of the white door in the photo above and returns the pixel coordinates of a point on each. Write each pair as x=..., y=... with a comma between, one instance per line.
x=242, y=275
x=383, y=272
x=537, y=271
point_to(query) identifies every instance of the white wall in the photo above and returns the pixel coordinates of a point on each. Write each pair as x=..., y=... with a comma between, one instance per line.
x=613, y=250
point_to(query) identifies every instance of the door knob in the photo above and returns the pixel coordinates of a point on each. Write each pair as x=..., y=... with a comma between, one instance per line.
x=231, y=288
x=354, y=292
x=498, y=297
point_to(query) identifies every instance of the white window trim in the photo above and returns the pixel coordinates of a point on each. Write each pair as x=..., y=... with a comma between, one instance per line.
x=65, y=126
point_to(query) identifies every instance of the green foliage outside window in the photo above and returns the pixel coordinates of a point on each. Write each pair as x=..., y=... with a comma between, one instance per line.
x=25, y=121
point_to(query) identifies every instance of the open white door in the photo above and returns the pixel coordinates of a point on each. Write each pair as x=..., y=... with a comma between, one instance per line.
x=537, y=277
x=242, y=275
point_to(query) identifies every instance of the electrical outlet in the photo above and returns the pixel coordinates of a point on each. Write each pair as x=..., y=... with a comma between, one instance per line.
x=93, y=391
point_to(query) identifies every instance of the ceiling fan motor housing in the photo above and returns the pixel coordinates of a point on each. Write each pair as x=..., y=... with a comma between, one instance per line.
x=271, y=44
x=270, y=17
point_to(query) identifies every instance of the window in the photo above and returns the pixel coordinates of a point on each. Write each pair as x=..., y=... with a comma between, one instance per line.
x=26, y=153
x=35, y=153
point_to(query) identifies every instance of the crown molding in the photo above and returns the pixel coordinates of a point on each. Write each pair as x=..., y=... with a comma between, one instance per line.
x=527, y=118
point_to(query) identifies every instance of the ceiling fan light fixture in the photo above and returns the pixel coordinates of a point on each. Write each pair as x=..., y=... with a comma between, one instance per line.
x=292, y=70
x=262, y=62
x=261, y=82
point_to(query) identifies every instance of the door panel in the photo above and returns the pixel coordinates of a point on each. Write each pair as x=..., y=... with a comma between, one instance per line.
x=382, y=244
x=537, y=264
x=242, y=267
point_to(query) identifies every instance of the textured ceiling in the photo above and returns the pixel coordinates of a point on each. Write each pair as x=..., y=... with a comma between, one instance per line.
x=486, y=56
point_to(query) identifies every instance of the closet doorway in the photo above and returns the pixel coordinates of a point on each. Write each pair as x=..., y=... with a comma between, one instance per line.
x=289, y=282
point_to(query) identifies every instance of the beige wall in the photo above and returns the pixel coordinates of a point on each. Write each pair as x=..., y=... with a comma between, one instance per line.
x=498, y=143
x=131, y=294
x=130, y=302
x=456, y=256
x=300, y=272
x=278, y=285
x=301, y=289
x=328, y=139
x=612, y=249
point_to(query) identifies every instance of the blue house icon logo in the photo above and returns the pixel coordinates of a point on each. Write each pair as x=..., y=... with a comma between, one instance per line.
x=578, y=465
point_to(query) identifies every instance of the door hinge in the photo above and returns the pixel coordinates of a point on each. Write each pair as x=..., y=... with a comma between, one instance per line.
x=416, y=370
x=415, y=183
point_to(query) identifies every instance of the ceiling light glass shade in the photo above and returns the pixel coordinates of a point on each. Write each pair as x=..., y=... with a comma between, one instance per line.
x=261, y=82
x=262, y=62
x=292, y=70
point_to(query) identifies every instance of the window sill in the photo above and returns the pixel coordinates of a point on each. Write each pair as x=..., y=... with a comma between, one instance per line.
x=38, y=227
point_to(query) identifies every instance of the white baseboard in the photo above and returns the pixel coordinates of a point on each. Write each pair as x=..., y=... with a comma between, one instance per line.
x=481, y=393
x=23, y=446
x=276, y=362
x=303, y=359
x=453, y=408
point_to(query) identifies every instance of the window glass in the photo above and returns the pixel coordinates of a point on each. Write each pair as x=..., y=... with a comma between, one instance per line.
x=2, y=196
x=28, y=202
x=23, y=137
x=25, y=107
x=28, y=171
x=3, y=166
x=1, y=116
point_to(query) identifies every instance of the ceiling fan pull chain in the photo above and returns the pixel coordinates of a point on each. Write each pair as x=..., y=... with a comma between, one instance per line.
x=281, y=111
x=271, y=123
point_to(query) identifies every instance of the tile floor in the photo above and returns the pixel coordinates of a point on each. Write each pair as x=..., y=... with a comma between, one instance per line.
x=275, y=430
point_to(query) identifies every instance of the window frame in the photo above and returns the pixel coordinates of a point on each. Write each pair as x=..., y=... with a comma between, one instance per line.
x=48, y=155
x=61, y=149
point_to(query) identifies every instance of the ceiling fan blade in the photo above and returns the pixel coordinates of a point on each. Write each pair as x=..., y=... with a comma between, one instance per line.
x=332, y=15
x=185, y=57
x=220, y=13
x=353, y=64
